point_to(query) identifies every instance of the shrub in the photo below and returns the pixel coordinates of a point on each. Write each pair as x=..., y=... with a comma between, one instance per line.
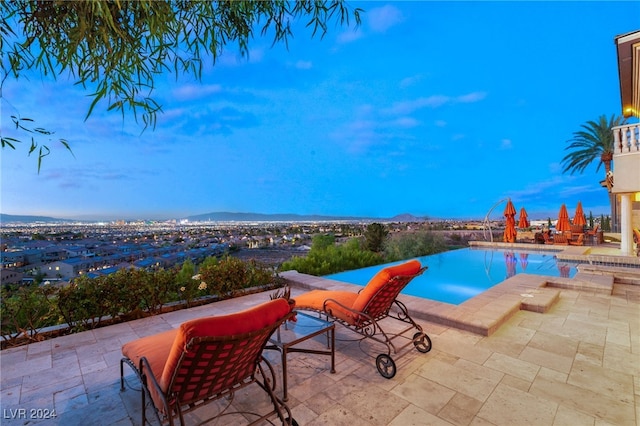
x=230, y=275
x=415, y=244
x=123, y=295
x=25, y=311
x=324, y=258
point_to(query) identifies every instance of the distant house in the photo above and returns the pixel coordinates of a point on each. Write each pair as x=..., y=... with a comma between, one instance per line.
x=11, y=259
x=10, y=276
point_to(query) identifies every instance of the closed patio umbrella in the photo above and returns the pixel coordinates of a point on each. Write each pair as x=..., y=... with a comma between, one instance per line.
x=524, y=220
x=563, y=220
x=579, y=218
x=510, y=228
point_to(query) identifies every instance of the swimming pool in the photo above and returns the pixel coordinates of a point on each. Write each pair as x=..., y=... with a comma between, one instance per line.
x=458, y=275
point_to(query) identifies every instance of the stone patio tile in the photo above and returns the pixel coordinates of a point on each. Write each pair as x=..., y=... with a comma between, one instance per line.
x=461, y=346
x=34, y=365
x=516, y=382
x=467, y=381
x=510, y=406
x=414, y=416
x=72, y=341
x=96, y=409
x=319, y=403
x=303, y=414
x=546, y=359
x=567, y=417
x=13, y=356
x=39, y=348
x=338, y=415
x=424, y=394
x=512, y=366
x=615, y=385
x=619, y=336
x=620, y=358
x=587, y=401
x=553, y=343
x=311, y=386
x=10, y=396
x=589, y=352
x=69, y=399
x=553, y=375
x=460, y=409
x=45, y=388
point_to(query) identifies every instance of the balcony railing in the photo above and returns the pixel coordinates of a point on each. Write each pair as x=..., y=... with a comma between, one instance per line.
x=626, y=138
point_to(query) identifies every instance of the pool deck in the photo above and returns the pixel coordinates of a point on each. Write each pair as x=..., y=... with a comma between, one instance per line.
x=567, y=355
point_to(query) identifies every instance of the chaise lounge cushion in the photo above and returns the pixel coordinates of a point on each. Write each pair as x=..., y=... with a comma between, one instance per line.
x=315, y=299
x=411, y=267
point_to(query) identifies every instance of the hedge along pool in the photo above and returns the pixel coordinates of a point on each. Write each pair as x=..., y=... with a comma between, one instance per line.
x=458, y=275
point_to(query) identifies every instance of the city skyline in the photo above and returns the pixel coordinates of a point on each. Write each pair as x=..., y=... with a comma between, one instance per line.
x=435, y=109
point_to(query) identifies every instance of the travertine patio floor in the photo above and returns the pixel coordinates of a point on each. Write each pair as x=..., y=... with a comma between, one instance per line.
x=576, y=363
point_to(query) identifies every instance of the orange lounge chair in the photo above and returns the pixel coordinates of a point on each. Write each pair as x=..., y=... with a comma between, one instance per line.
x=560, y=239
x=578, y=242
x=594, y=231
x=362, y=312
x=207, y=359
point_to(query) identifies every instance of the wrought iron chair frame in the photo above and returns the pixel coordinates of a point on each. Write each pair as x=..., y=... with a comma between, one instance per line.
x=378, y=308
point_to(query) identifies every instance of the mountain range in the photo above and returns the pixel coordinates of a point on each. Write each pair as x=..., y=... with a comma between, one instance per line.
x=227, y=217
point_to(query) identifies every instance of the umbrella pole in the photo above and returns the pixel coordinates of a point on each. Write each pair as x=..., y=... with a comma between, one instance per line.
x=487, y=222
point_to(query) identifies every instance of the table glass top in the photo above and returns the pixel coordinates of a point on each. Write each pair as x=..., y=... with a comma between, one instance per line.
x=303, y=327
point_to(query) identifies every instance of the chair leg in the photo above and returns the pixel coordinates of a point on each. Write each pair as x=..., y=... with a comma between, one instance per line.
x=278, y=404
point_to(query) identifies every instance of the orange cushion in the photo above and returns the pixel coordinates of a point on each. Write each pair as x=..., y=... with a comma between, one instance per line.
x=249, y=320
x=315, y=300
x=381, y=278
x=156, y=349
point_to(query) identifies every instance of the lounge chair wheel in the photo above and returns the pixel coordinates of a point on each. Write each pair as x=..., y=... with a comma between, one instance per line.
x=386, y=366
x=422, y=342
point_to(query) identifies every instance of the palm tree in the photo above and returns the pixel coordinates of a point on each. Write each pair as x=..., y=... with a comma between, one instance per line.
x=594, y=141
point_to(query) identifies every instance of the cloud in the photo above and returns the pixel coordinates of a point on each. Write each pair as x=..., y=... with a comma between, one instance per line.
x=350, y=36
x=405, y=122
x=407, y=107
x=304, y=65
x=410, y=81
x=471, y=97
x=381, y=19
x=505, y=144
x=189, y=92
x=433, y=101
x=378, y=20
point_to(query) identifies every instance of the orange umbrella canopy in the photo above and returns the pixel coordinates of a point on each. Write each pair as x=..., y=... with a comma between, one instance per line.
x=510, y=229
x=579, y=218
x=510, y=262
x=524, y=260
x=524, y=220
x=563, y=220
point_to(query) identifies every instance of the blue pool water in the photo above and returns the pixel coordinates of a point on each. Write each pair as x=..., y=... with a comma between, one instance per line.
x=458, y=275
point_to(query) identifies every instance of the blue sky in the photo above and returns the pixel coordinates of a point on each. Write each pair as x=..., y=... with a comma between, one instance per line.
x=434, y=109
